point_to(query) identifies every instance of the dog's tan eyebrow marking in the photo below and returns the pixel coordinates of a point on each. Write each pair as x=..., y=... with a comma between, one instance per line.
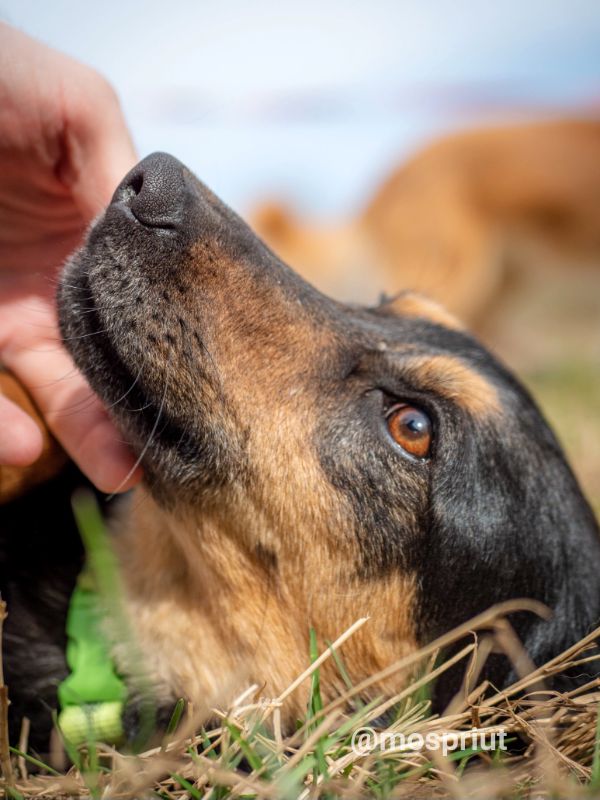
x=455, y=380
x=411, y=304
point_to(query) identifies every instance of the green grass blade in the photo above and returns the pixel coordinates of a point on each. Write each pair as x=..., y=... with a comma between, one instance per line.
x=187, y=786
x=176, y=716
x=34, y=761
x=595, y=776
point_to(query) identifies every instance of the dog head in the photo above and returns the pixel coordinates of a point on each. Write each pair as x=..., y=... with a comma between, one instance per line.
x=378, y=450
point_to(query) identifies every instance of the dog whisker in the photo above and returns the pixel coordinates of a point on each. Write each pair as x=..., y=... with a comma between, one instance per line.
x=123, y=396
x=56, y=282
x=84, y=335
x=115, y=307
x=143, y=451
x=72, y=373
x=149, y=404
x=78, y=407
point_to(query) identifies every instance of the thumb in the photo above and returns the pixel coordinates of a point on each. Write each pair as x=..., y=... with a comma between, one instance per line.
x=99, y=145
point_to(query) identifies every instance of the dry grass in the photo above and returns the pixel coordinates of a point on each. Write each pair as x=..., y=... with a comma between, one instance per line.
x=548, y=331
x=569, y=394
x=248, y=755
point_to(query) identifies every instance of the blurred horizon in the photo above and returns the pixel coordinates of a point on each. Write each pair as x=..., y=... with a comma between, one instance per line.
x=316, y=103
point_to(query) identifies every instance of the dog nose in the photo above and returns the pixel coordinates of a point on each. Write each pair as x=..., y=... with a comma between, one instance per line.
x=155, y=191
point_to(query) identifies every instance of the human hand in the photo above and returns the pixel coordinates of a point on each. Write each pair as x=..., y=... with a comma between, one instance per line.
x=64, y=147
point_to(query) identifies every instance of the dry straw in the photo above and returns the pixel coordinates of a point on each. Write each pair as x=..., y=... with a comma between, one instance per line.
x=247, y=754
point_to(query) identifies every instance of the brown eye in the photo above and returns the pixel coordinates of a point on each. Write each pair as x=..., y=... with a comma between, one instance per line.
x=411, y=429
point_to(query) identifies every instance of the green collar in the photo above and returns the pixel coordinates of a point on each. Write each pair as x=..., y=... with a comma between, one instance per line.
x=91, y=697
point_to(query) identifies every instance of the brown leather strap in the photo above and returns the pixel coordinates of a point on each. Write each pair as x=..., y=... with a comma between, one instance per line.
x=15, y=481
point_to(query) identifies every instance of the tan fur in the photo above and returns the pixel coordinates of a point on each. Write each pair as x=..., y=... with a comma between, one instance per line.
x=461, y=220
x=410, y=304
x=15, y=481
x=234, y=590
x=213, y=620
x=452, y=378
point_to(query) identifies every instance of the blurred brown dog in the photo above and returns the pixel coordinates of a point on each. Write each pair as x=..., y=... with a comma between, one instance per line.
x=460, y=221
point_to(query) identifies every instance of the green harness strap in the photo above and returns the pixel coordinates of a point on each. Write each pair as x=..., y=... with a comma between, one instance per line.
x=91, y=697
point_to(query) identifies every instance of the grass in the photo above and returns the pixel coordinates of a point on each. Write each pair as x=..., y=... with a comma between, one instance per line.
x=568, y=391
x=246, y=753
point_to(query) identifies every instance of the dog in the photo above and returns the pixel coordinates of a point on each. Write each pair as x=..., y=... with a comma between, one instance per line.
x=306, y=463
x=467, y=220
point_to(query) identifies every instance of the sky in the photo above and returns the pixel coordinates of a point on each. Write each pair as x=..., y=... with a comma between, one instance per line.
x=315, y=102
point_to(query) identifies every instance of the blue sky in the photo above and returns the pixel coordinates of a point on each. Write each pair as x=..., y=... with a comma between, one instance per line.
x=315, y=101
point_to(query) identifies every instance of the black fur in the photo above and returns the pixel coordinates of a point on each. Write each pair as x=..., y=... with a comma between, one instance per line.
x=499, y=512
x=40, y=557
x=171, y=281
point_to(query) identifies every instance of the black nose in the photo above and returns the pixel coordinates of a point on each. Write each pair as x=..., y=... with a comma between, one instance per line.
x=155, y=190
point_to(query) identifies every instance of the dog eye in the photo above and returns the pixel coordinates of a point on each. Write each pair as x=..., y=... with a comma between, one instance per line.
x=410, y=428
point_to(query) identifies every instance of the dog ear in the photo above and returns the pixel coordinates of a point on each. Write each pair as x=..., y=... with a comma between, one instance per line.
x=416, y=305
x=15, y=481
